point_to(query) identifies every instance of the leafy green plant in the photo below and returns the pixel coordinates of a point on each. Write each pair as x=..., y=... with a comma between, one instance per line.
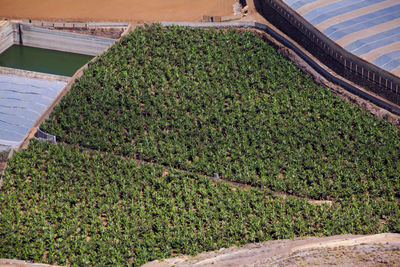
x=63, y=206
x=222, y=101
x=164, y=107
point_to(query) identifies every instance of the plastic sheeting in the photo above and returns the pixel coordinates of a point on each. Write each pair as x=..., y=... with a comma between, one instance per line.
x=22, y=101
x=369, y=29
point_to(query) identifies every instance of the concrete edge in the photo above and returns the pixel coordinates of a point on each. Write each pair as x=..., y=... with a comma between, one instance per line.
x=76, y=24
x=7, y=33
x=33, y=74
x=54, y=39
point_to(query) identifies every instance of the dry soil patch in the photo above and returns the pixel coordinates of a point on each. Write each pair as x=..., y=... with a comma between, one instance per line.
x=343, y=250
x=115, y=10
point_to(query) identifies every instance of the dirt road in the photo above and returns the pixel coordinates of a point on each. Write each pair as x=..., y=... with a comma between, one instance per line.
x=115, y=10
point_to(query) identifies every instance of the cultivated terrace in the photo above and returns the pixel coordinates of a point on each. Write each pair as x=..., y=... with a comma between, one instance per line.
x=144, y=130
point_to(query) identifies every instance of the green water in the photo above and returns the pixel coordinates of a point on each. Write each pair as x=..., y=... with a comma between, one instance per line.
x=42, y=60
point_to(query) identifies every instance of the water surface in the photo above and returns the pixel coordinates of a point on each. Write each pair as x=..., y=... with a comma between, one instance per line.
x=42, y=60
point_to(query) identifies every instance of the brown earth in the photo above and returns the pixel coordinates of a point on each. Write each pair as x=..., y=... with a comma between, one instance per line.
x=115, y=10
x=343, y=250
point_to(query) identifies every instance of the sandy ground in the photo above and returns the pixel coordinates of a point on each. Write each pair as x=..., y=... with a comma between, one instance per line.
x=344, y=250
x=115, y=10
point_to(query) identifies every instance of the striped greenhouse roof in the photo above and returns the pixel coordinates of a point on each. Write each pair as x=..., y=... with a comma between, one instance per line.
x=369, y=29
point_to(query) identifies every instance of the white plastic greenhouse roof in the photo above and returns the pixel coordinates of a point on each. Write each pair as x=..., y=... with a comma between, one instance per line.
x=369, y=29
x=22, y=101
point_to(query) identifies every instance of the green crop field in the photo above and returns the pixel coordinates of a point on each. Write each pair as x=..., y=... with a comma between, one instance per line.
x=227, y=103
x=60, y=205
x=162, y=111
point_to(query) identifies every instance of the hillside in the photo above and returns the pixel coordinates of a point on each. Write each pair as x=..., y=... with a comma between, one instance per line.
x=178, y=141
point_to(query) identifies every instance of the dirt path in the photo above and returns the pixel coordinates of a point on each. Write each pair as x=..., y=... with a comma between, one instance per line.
x=115, y=10
x=343, y=250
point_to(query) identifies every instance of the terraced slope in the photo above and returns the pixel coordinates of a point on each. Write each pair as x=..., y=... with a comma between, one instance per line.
x=225, y=102
x=61, y=205
x=163, y=110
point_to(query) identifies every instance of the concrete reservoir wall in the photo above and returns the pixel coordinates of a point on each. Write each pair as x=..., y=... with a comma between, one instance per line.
x=18, y=33
x=8, y=35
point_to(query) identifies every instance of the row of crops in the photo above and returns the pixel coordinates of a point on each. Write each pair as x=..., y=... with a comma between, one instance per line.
x=166, y=107
x=227, y=103
x=61, y=205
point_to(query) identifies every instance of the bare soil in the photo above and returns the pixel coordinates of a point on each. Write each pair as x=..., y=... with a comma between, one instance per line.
x=344, y=250
x=115, y=10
